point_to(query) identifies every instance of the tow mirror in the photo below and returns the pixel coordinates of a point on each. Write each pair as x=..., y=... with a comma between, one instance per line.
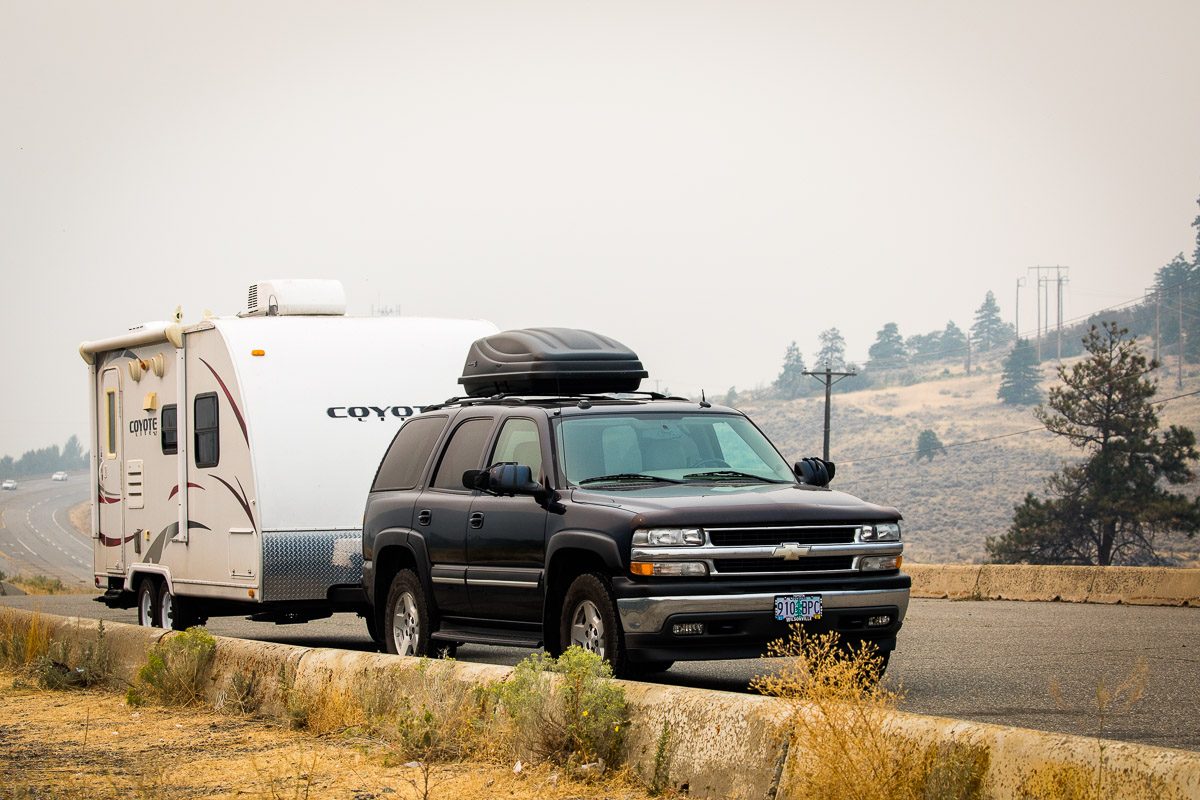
x=815, y=471
x=503, y=479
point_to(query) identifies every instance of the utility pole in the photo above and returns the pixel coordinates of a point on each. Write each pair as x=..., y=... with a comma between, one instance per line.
x=968, y=353
x=1043, y=294
x=1017, y=306
x=1158, y=326
x=826, y=377
x=1179, y=371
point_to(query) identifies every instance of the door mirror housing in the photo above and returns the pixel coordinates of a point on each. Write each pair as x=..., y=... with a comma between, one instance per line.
x=815, y=471
x=506, y=479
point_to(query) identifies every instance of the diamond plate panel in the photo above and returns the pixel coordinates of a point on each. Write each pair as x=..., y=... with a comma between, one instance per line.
x=302, y=565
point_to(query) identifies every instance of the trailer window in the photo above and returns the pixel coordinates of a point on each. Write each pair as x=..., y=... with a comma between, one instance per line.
x=110, y=444
x=168, y=430
x=405, y=461
x=208, y=444
x=464, y=452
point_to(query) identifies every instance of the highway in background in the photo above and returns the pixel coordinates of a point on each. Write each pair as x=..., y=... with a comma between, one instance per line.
x=37, y=538
x=989, y=661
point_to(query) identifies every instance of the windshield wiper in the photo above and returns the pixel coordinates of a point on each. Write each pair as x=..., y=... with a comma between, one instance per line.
x=627, y=476
x=721, y=474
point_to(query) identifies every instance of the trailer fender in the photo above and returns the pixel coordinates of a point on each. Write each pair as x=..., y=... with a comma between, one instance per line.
x=137, y=571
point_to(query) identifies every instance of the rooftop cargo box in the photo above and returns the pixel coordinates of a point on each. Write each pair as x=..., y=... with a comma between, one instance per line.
x=550, y=361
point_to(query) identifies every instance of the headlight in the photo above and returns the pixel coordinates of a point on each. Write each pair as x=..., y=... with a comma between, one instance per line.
x=881, y=532
x=874, y=563
x=668, y=537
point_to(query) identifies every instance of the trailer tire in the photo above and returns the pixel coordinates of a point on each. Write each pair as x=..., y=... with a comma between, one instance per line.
x=406, y=619
x=175, y=612
x=149, y=615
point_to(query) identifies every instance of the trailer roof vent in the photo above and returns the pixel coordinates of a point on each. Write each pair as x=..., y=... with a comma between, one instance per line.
x=295, y=297
x=550, y=361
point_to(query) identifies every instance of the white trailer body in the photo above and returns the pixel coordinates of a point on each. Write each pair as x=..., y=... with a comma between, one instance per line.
x=231, y=459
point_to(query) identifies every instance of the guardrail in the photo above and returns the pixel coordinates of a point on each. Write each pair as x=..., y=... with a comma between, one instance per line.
x=729, y=745
x=1154, y=586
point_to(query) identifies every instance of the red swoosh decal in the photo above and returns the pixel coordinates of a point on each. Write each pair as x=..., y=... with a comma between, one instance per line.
x=175, y=489
x=237, y=412
x=109, y=541
x=107, y=497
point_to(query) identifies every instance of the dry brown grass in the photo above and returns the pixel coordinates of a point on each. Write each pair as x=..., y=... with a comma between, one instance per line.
x=81, y=518
x=90, y=744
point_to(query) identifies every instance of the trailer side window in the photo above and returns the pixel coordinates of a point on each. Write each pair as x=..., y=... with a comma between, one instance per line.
x=464, y=452
x=110, y=443
x=405, y=461
x=208, y=444
x=168, y=428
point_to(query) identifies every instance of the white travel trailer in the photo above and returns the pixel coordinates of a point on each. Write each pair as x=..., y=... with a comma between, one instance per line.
x=231, y=459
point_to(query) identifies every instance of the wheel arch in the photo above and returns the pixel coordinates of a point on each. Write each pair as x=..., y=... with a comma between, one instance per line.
x=397, y=549
x=569, y=555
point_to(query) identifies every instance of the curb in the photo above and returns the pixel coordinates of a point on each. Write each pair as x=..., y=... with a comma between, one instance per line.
x=1156, y=586
x=723, y=744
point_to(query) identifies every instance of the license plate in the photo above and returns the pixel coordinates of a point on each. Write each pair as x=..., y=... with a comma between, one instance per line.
x=797, y=607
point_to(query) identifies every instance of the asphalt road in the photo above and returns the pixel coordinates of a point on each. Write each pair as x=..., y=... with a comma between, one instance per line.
x=987, y=661
x=36, y=537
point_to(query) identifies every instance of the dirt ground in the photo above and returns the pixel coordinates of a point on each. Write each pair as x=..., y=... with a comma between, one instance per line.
x=84, y=744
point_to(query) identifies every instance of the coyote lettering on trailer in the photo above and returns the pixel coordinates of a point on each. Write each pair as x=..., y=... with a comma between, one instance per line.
x=226, y=479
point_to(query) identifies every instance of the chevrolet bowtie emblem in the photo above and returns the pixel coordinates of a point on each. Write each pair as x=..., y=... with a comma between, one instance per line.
x=790, y=551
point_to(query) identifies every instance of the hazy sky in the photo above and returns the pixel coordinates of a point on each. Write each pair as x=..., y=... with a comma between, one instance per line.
x=704, y=181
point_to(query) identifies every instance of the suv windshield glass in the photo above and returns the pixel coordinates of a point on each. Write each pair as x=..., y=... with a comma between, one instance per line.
x=633, y=449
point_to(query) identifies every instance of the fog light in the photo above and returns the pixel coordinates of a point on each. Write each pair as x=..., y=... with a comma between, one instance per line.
x=688, y=628
x=880, y=562
x=879, y=621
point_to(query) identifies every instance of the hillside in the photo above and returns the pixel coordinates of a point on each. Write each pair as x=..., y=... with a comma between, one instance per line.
x=952, y=503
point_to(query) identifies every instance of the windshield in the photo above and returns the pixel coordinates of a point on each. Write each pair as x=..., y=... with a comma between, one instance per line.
x=641, y=449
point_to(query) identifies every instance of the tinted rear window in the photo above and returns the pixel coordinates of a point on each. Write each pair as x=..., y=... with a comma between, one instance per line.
x=409, y=453
x=464, y=452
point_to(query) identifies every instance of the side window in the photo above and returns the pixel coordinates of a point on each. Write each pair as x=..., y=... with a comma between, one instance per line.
x=464, y=452
x=519, y=442
x=208, y=444
x=110, y=447
x=405, y=460
x=168, y=428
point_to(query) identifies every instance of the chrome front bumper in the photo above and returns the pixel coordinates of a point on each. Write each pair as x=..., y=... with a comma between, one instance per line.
x=648, y=614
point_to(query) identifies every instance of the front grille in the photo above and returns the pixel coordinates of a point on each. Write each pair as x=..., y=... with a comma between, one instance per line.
x=750, y=537
x=809, y=564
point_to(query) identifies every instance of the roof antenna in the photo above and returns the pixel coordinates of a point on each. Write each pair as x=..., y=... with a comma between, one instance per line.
x=703, y=401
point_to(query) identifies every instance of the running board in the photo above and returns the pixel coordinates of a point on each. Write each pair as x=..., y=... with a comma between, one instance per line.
x=504, y=638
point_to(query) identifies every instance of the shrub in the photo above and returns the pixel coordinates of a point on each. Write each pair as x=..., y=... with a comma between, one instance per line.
x=20, y=644
x=175, y=669
x=840, y=729
x=565, y=710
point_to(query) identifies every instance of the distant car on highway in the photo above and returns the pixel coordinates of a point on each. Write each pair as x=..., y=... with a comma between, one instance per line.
x=8, y=484
x=58, y=476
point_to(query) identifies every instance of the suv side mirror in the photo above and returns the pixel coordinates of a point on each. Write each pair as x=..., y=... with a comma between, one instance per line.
x=505, y=479
x=815, y=471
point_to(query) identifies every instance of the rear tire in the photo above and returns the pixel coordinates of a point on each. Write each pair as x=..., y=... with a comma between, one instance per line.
x=406, y=621
x=589, y=620
x=175, y=612
x=149, y=615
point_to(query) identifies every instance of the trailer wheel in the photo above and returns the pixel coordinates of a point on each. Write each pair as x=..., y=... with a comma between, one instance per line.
x=589, y=620
x=406, y=620
x=147, y=604
x=175, y=612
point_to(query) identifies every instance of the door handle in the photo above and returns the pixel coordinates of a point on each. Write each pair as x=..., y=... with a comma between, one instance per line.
x=424, y=517
x=477, y=520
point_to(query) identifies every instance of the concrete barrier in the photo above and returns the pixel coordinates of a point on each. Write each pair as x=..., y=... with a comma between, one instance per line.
x=1161, y=586
x=724, y=745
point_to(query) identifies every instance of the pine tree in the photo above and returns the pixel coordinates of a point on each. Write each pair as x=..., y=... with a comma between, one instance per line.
x=1019, y=383
x=832, y=352
x=888, y=351
x=1112, y=507
x=989, y=329
x=791, y=381
x=929, y=445
x=954, y=341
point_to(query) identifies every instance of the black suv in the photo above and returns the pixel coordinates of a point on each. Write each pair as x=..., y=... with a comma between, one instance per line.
x=647, y=529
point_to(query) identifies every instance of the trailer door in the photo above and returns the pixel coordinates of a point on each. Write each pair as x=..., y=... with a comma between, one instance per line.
x=111, y=536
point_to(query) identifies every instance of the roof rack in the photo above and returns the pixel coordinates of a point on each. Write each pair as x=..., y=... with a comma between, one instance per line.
x=517, y=399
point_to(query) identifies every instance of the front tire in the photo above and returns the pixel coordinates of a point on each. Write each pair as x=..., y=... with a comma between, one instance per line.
x=406, y=619
x=149, y=615
x=589, y=620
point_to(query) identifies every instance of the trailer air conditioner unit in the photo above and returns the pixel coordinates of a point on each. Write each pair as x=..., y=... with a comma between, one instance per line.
x=297, y=297
x=550, y=361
